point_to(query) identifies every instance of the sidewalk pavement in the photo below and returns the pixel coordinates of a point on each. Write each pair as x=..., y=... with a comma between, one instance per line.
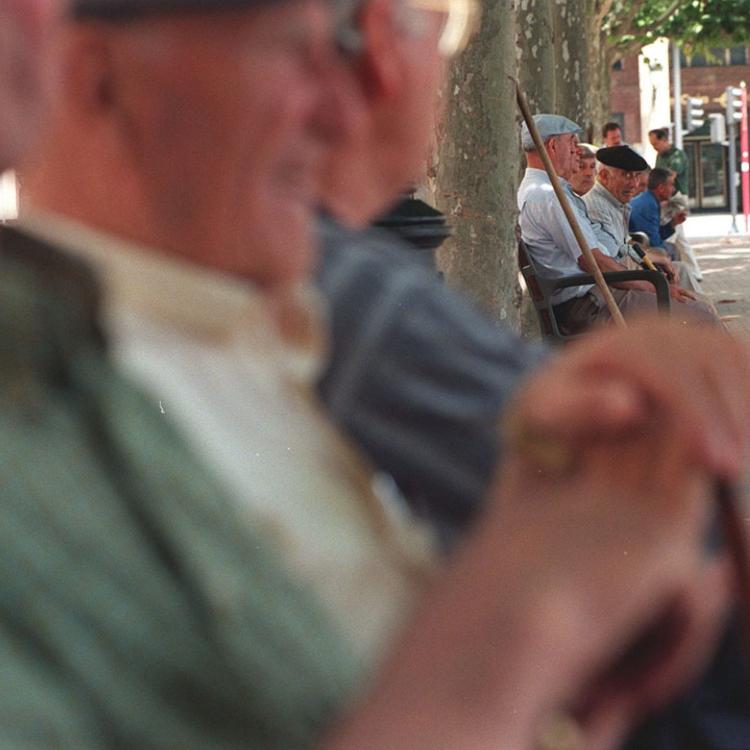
x=714, y=225
x=724, y=258
x=725, y=262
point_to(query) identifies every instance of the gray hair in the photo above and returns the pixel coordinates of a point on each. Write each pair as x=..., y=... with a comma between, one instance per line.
x=410, y=20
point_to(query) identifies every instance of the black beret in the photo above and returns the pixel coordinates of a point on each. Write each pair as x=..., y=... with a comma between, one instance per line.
x=622, y=157
x=114, y=10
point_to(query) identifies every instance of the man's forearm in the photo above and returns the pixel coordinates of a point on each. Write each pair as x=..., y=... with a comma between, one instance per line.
x=608, y=264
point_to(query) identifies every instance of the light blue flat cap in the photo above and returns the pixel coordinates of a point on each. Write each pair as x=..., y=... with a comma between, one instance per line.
x=548, y=125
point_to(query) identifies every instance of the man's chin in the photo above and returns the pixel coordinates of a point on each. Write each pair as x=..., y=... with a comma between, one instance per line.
x=289, y=256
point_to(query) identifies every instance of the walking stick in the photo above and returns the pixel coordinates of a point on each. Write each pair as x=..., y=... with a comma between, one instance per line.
x=614, y=310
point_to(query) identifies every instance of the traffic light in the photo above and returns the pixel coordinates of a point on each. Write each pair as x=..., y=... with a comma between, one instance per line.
x=734, y=104
x=718, y=127
x=693, y=113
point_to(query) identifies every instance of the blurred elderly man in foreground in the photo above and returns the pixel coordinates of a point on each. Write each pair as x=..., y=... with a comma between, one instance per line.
x=165, y=574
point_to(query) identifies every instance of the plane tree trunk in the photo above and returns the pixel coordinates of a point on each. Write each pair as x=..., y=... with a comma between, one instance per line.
x=558, y=52
x=477, y=159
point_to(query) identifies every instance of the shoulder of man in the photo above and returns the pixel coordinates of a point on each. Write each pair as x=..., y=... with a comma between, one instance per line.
x=646, y=198
x=376, y=269
x=119, y=554
x=374, y=273
x=675, y=158
x=417, y=374
x=594, y=198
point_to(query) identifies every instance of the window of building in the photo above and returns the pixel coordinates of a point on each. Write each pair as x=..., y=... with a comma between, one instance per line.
x=716, y=56
x=738, y=55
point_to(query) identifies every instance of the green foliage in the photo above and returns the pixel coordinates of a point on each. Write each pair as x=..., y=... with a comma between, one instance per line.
x=698, y=24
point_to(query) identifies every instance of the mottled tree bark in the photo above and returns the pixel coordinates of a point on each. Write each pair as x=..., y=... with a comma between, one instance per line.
x=572, y=62
x=601, y=57
x=536, y=54
x=557, y=49
x=477, y=159
x=536, y=74
x=601, y=60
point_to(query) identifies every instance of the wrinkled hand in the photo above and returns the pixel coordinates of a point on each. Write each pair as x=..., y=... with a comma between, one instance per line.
x=612, y=545
x=600, y=437
x=660, y=259
x=678, y=218
x=665, y=265
x=613, y=381
x=678, y=294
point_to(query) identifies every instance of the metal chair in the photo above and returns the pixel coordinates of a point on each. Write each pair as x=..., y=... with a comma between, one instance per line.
x=541, y=291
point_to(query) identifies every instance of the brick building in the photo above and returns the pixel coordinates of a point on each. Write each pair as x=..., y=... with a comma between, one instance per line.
x=704, y=77
x=625, y=98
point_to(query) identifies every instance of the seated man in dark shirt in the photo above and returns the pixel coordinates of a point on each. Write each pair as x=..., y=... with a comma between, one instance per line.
x=646, y=210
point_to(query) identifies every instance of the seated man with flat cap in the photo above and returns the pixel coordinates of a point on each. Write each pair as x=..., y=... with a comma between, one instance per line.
x=552, y=243
x=608, y=204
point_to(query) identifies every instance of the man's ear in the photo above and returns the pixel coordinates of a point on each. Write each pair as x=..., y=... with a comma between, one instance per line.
x=381, y=63
x=88, y=75
x=551, y=146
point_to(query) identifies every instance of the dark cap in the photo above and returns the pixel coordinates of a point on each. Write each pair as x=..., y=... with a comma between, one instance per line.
x=622, y=157
x=114, y=10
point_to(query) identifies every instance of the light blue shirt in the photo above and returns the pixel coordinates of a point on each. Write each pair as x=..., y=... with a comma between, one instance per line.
x=547, y=234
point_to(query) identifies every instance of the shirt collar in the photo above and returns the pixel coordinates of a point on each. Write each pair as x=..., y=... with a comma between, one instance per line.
x=213, y=307
x=542, y=176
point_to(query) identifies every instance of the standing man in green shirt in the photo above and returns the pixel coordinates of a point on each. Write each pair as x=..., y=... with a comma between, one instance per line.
x=668, y=156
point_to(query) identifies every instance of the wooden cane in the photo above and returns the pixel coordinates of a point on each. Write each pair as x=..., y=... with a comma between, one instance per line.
x=614, y=310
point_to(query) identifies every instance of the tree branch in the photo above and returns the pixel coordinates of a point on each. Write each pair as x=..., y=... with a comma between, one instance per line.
x=625, y=26
x=663, y=18
x=625, y=50
x=602, y=12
